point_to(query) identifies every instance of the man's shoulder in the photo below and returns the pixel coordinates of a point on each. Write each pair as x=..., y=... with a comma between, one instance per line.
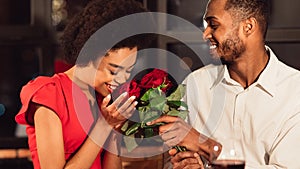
x=287, y=72
x=210, y=70
x=207, y=74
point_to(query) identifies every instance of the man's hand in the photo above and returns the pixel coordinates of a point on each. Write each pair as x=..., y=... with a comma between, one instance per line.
x=186, y=160
x=177, y=132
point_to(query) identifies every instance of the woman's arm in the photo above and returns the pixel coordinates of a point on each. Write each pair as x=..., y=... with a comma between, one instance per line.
x=50, y=145
x=49, y=137
x=111, y=161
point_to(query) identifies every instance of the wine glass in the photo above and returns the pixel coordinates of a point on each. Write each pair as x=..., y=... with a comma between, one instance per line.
x=232, y=155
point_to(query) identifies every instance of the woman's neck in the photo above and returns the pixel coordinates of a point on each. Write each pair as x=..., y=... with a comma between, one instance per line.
x=85, y=86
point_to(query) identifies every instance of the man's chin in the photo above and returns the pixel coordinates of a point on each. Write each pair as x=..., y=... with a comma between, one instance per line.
x=216, y=59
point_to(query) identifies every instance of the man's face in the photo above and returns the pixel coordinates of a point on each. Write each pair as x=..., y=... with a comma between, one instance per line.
x=222, y=32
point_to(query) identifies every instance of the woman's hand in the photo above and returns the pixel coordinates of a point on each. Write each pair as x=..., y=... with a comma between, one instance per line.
x=186, y=159
x=178, y=132
x=119, y=111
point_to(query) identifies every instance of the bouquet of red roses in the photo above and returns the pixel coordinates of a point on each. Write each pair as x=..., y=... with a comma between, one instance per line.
x=157, y=94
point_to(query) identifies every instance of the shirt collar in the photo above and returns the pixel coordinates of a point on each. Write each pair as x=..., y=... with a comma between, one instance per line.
x=222, y=75
x=267, y=78
x=265, y=81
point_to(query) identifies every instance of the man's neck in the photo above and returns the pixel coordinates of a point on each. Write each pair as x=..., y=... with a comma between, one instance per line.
x=247, y=69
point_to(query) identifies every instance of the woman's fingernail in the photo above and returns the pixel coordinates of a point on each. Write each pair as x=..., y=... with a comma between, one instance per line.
x=149, y=123
x=132, y=97
x=135, y=103
x=124, y=94
x=108, y=97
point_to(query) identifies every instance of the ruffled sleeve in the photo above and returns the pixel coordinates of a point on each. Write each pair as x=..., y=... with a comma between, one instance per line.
x=43, y=91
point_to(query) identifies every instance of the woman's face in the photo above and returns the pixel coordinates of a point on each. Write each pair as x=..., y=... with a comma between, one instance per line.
x=114, y=69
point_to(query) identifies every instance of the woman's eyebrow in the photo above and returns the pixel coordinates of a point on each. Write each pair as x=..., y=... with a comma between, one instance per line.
x=116, y=66
x=120, y=67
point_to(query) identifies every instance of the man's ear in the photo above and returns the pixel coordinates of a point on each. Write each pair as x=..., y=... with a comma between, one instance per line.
x=249, y=26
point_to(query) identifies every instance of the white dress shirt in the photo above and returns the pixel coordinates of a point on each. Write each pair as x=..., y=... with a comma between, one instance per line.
x=265, y=116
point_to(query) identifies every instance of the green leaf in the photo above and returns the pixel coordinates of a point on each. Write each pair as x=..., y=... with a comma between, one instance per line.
x=150, y=115
x=154, y=93
x=133, y=129
x=180, y=148
x=149, y=132
x=147, y=94
x=142, y=111
x=130, y=142
x=158, y=103
x=177, y=104
x=183, y=104
x=154, y=125
x=178, y=93
x=178, y=113
x=174, y=103
x=166, y=108
x=125, y=126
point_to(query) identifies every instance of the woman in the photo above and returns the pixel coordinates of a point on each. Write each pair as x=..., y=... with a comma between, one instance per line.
x=64, y=125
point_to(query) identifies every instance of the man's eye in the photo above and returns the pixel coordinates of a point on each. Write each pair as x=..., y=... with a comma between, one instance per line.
x=214, y=26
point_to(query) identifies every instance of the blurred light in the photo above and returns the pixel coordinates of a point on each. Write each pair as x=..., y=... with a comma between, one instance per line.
x=2, y=109
x=186, y=63
x=59, y=13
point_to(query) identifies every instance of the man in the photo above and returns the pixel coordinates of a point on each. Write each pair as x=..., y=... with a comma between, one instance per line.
x=252, y=95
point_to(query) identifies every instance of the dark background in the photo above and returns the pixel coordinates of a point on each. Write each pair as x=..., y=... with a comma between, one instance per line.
x=29, y=30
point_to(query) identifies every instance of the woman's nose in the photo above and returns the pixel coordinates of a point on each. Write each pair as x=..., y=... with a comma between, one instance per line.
x=122, y=78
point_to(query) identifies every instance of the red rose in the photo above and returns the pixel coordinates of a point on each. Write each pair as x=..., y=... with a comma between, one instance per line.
x=134, y=89
x=123, y=88
x=153, y=79
x=168, y=85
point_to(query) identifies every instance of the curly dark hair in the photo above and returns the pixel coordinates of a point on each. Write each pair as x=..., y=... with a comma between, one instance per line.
x=95, y=15
x=244, y=9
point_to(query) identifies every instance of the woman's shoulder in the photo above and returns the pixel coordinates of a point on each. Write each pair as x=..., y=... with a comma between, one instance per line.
x=43, y=90
x=44, y=82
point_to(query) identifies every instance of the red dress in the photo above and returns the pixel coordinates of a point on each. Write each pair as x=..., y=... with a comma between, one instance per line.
x=70, y=104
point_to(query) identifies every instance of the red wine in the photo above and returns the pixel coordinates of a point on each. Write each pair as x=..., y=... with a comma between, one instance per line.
x=228, y=164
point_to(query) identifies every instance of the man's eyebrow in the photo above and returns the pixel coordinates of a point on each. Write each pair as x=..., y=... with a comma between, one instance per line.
x=209, y=18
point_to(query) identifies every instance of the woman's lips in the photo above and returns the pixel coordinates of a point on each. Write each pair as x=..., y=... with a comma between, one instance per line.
x=110, y=87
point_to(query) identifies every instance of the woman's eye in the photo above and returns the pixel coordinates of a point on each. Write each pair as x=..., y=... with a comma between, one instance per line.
x=113, y=73
x=129, y=71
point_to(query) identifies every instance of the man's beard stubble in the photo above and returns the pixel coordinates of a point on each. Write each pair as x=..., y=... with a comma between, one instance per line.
x=231, y=49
